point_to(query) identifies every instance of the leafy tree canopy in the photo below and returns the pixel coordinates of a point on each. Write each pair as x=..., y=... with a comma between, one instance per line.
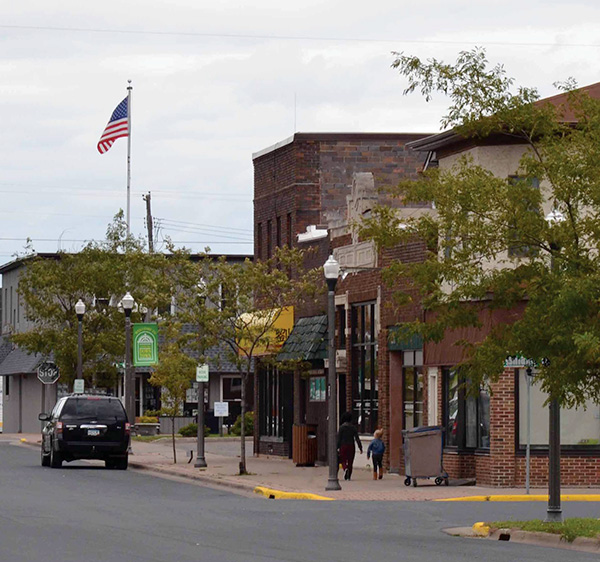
x=99, y=274
x=490, y=244
x=239, y=304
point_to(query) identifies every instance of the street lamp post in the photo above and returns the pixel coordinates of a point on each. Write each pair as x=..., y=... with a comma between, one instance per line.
x=554, y=512
x=80, y=311
x=331, y=269
x=127, y=303
x=200, y=455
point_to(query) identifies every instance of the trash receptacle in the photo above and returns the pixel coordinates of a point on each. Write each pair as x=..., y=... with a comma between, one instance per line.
x=423, y=455
x=304, y=445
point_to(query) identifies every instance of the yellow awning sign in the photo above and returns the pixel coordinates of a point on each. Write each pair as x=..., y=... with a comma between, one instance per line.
x=267, y=330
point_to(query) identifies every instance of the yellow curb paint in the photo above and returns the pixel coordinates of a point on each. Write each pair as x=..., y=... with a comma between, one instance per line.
x=524, y=498
x=481, y=529
x=279, y=495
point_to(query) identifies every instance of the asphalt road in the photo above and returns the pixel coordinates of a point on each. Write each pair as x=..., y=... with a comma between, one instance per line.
x=83, y=512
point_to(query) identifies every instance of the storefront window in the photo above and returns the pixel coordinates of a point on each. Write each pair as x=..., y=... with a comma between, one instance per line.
x=451, y=401
x=466, y=417
x=579, y=427
x=412, y=388
x=364, y=367
x=275, y=391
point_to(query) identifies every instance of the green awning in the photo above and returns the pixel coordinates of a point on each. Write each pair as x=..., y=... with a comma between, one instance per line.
x=308, y=340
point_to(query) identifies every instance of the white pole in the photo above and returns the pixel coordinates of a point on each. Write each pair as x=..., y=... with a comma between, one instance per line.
x=129, y=89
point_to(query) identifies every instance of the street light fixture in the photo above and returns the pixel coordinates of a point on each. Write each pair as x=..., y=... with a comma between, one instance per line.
x=331, y=269
x=554, y=512
x=80, y=311
x=127, y=302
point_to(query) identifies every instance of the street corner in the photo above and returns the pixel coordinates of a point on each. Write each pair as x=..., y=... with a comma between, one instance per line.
x=281, y=495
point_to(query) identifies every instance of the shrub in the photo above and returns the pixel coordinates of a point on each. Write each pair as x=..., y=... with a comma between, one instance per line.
x=148, y=419
x=191, y=430
x=236, y=428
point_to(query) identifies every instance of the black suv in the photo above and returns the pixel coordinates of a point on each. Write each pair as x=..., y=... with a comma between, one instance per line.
x=86, y=427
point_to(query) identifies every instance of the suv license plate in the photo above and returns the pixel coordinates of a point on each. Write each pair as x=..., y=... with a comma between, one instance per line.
x=93, y=432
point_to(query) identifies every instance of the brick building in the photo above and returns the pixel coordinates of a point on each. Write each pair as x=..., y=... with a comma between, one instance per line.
x=307, y=180
x=485, y=435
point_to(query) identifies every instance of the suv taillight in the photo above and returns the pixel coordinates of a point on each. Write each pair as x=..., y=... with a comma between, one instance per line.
x=127, y=428
x=59, y=427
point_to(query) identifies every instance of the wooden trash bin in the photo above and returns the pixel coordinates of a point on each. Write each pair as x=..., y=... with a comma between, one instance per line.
x=304, y=445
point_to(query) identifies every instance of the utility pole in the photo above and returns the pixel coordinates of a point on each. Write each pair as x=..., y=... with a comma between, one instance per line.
x=148, y=199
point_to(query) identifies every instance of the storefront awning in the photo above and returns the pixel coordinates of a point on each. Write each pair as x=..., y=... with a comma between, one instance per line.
x=307, y=342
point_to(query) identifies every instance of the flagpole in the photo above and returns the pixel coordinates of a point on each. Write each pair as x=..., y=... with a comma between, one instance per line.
x=129, y=89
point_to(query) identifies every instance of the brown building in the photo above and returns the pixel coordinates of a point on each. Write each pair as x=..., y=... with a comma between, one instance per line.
x=305, y=186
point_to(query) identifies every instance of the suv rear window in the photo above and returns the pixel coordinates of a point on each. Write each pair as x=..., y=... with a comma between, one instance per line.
x=84, y=408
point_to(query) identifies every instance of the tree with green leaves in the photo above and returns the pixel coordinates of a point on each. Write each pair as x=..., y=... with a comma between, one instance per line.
x=251, y=297
x=173, y=375
x=99, y=274
x=489, y=244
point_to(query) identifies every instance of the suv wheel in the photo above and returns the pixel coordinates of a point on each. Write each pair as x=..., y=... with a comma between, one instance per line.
x=45, y=459
x=55, y=458
x=121, y=464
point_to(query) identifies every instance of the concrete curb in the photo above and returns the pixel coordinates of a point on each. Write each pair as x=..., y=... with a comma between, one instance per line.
x=584, y=544
x=210, y=480
x=523, y=498
x=279, y=495
x=549, y=540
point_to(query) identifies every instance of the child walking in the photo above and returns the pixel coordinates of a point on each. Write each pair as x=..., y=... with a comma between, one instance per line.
x=377, y=448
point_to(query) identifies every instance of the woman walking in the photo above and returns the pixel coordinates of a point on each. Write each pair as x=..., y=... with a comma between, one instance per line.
x=346, y=437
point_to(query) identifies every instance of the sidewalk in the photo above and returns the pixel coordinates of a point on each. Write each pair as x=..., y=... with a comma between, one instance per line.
x=222, y=456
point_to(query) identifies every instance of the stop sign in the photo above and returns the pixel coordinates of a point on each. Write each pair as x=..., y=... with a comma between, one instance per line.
x=48, y=372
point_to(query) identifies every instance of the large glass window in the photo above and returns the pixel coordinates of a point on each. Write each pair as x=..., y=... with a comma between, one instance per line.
x=412, y=388
x=579, y=427
x=364, y=367
x=466, y=416
x=275, y=396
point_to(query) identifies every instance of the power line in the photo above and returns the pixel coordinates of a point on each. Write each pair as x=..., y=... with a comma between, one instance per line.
x=195, y=224
x=34, y=239
x=174, y=229
x=290, y=37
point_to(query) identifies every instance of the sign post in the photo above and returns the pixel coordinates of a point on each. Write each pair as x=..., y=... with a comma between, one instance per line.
x=201, y=379
x=78, y=386
x=202, y=373
x=48, y=372
x=221, y=411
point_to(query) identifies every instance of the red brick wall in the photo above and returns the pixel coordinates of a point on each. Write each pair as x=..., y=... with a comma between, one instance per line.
x=575, y=470
x=277, y=448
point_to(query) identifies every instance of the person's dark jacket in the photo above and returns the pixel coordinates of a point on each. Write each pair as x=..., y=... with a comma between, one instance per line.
x=347, y=435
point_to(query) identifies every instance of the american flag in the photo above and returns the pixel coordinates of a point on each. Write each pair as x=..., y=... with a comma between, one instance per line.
x=118, y=126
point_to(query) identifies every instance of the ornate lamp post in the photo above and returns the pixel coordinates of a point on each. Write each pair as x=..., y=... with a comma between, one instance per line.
x=200, y=456
x=128, y=302
x=554, y=512
x=331, y=269
x=80, y=311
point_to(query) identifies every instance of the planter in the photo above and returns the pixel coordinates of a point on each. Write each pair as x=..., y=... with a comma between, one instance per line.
x=146, y=429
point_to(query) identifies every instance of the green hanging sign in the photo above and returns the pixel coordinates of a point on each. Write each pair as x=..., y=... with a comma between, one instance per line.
x=145, y=345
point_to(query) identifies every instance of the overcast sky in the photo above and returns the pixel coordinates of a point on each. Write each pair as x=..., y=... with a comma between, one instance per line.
x=216, y=81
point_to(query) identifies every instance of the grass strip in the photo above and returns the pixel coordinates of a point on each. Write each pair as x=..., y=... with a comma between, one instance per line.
x=569, y=529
